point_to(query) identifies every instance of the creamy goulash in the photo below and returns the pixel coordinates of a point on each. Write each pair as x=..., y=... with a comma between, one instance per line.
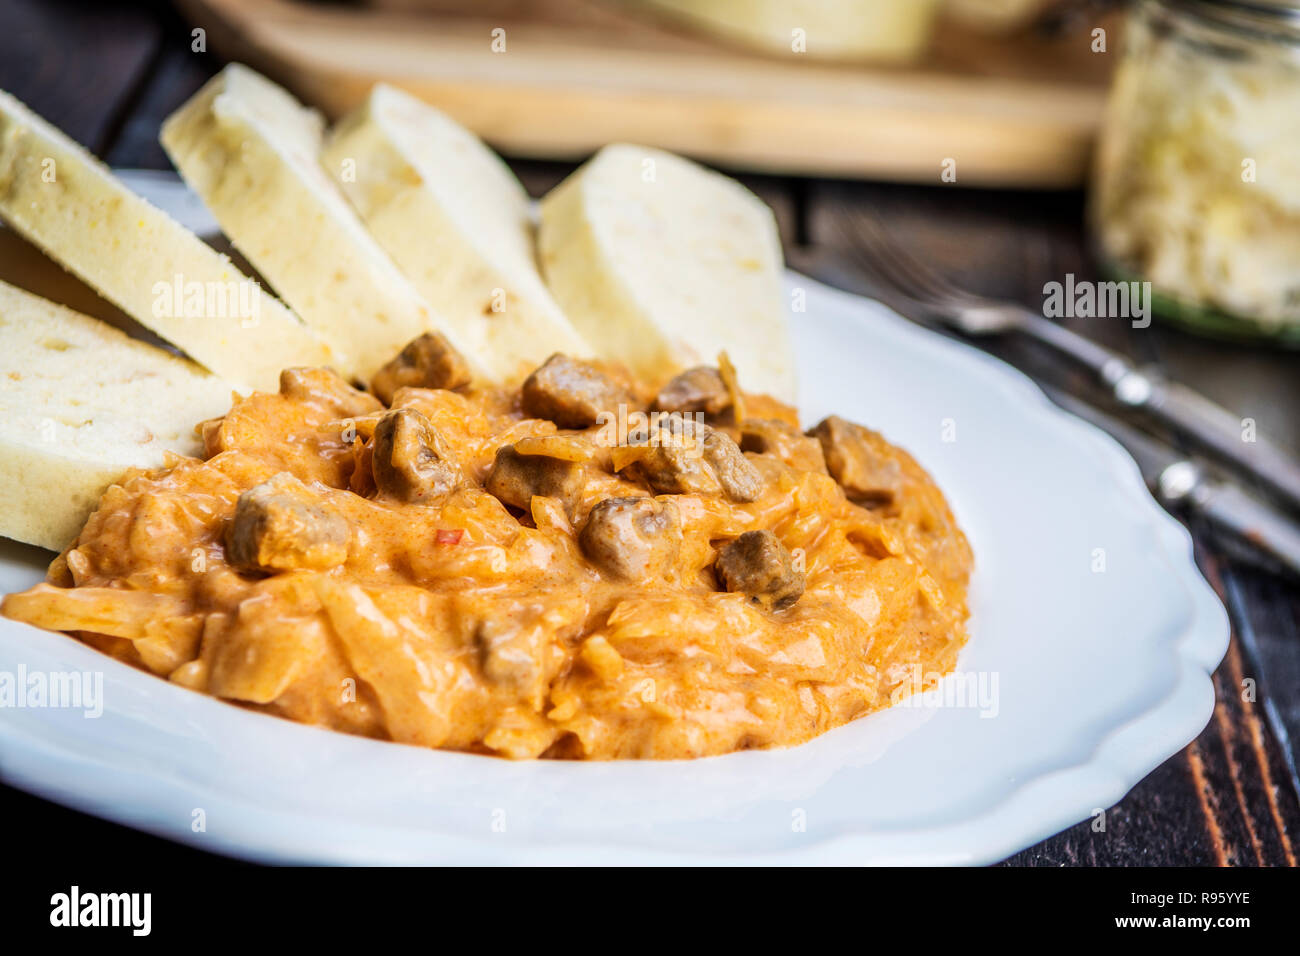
x=545, y=571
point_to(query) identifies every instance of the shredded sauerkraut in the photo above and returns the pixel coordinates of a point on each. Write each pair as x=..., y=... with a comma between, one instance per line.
x=1198, y=177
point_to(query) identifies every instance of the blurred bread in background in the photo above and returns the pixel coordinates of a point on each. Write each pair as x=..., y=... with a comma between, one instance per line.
x=868, y=31
x=877, y=30
x=558, y=79
x=873, y=31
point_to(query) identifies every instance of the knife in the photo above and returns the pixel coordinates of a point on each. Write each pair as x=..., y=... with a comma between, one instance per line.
x=1181, y=484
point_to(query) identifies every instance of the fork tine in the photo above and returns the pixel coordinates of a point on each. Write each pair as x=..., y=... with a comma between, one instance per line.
x=923, y=311
x=922, y=278
x=879, y=265
x=877, y=258
x=917, y=280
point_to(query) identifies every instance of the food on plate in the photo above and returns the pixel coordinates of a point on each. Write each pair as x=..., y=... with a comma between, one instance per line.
x=61, y=198
x=549, y=570
x=661, y=264
x=429, y=361
x=857, y=458
x=886, y=30
x=252, y=152
x=447, y=524
x=453, y=216
x=570, y=393
x=81, y=403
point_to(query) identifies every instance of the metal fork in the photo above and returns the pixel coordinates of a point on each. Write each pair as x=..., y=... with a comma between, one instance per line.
x=1182, y=409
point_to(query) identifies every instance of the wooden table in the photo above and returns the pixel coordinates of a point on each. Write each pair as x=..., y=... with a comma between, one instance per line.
x=108, y=73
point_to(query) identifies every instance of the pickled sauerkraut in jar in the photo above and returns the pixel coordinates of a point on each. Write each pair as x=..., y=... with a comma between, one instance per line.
x=1197, y=183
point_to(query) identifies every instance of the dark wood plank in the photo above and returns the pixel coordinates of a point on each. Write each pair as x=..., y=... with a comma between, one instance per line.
x=1268, y=612
x=78, y=63
x=175, y=73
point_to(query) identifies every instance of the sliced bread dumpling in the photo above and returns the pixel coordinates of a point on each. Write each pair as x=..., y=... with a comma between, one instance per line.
x=456, y=220
x=251, y=151
x=80, y=403
x=881, y=30
x=662, y=264
x=62, y=199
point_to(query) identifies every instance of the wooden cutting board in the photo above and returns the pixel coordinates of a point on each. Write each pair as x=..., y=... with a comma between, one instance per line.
x=576, y=74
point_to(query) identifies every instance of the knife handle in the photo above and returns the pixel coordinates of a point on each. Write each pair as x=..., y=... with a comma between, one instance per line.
x=1230, y=508
x=1176, y=406
x=1220, y=432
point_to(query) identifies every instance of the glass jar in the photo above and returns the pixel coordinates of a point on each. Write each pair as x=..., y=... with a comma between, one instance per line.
x=1197, y=179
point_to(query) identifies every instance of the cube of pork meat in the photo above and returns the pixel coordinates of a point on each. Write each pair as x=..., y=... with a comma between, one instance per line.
x=571, y=393
x=281, y=525
x=699, y=389
x=515, y=478
x=758, y=564
x=427, y=361
x=409, y=461
x=860, y=460
x=632, y=539
x=325, y=387
x=689, y=457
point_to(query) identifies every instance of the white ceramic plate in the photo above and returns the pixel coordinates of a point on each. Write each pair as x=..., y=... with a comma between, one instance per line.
x=1087, y=611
